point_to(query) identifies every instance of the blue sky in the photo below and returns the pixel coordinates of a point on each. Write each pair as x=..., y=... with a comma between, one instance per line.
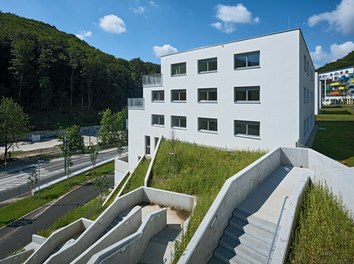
x=148, y=29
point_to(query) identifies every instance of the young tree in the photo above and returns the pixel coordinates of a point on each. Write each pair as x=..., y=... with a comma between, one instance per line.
x=13, y=123
x=101, y=184
x=72, y=140
x=113, y=128
x=32, y=180
x=93, y=154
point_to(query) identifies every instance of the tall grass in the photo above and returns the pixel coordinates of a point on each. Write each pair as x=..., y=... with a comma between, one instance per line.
x=137, y=178
x=325, y=232
x=196, y=170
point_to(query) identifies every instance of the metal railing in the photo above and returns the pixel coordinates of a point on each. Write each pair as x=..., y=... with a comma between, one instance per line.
x=276, y=229
x=152, y=80
x=136, y=103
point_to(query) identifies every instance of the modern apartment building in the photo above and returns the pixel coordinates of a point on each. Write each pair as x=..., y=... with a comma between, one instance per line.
x=336, y=85
x=255, y=93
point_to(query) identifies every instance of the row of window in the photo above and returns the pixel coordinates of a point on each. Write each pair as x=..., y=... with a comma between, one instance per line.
x=308, y=96
x=307, y=69
x=241, y=94
x=241, y=61
x=241, y=127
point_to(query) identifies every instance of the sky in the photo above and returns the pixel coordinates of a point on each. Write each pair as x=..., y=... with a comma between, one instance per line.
x=149, y=29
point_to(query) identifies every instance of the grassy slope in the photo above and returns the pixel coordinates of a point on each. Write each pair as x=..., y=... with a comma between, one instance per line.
x=325, y=233
x=198, y=171
x=137, y=179
x=335, y=138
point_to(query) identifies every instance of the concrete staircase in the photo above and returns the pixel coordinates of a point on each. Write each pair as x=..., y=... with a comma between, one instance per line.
x=247, y=239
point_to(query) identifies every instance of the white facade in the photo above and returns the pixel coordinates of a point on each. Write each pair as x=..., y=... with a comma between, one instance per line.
x=274, y=72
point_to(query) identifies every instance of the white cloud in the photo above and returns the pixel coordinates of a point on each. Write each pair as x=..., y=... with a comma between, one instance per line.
x=138, y=10
x=231, y=15
x=152, y=3
x=337, y=51
x=112, y=24
x=164, y=50
x=341, y=19
x=84, y=34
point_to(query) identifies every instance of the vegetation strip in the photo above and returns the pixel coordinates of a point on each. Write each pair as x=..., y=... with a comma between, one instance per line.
x=325, y=231
x=16, y=210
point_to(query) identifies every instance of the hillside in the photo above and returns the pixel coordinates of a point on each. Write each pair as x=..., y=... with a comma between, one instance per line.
x=340, y=63
x=60, y=79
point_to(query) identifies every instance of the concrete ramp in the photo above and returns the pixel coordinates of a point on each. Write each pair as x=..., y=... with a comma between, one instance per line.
x=249, y=236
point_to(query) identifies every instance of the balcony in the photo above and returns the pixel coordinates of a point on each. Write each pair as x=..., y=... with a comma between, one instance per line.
x=136, y=104
x=152, y=80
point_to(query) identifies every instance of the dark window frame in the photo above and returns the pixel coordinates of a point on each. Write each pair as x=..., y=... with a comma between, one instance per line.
x=247, y=55
x=248, y=97
x=208, y=92
x=159, y=92
x=208, y=65
x=179, y=69
x=247, y=131
x=179, y=92
x=180, y=120
x=211, y=124
x=157, y=120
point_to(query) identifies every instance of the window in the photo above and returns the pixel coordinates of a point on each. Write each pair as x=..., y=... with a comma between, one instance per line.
x=178, y=69
x=156, y=141
x=246, y=60
x=305, y=63
x=178, y=121
x=158, y=120
x=208, y=94
x=208, y=65
x=147, y=145
x=247, y=94
x=178, y=95
x=207, y=124
x=246, y=128
x=158, y=96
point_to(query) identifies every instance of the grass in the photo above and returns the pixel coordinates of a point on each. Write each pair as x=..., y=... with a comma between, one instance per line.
x=138, y=177
x=18, y=209
x=325, y=232
x=199, y=171
x=90, y=211
x=335, y=139
x=336, y=113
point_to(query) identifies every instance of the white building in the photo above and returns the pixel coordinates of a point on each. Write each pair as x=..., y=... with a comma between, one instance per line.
x=256, y=93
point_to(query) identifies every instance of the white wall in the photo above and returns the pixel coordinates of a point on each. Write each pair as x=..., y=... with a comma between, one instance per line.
x=277, y=112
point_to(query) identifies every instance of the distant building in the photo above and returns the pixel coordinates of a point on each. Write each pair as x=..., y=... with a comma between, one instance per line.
x=256, y=93
x=336, y=86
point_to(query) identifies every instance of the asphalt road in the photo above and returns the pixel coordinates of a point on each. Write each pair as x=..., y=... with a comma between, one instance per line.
x=13, y=183
x=15, y=238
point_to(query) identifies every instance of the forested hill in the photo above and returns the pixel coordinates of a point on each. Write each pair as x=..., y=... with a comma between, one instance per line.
x=55, y=75
x=341, y=63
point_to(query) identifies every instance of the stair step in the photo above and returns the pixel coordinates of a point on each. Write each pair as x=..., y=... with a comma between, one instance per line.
x=252, y=230
x=252, y=219
x=239, y=260
x=250, y=255
x=223, y=254
x=250, y=241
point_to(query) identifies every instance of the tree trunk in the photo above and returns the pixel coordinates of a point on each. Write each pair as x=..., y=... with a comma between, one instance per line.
x=20, y=87
x=71, y=87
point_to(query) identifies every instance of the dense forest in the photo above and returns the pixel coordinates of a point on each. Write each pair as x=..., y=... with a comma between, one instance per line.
x=60, y=79
x=341, y=63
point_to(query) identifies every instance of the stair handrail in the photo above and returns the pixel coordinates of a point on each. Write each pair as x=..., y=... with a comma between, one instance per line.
x=276, y=229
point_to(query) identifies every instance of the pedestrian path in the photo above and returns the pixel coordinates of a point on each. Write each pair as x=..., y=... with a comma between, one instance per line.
x=248, y=237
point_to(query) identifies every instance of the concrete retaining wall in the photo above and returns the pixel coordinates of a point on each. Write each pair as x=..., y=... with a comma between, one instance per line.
x=56, y=238
x=235, y=190
x=340, y=183
x=130, y=249
x=120, y=169
x=289, y=220
x=148, y=173
x=97, y=228
x=125, y=228
x=169, y=199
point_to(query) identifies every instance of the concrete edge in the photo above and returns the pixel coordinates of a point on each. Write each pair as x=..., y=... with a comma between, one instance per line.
x=115, y=188
x=148, y=173
x=18, y=258
x=124, y=244
x=288, y=223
